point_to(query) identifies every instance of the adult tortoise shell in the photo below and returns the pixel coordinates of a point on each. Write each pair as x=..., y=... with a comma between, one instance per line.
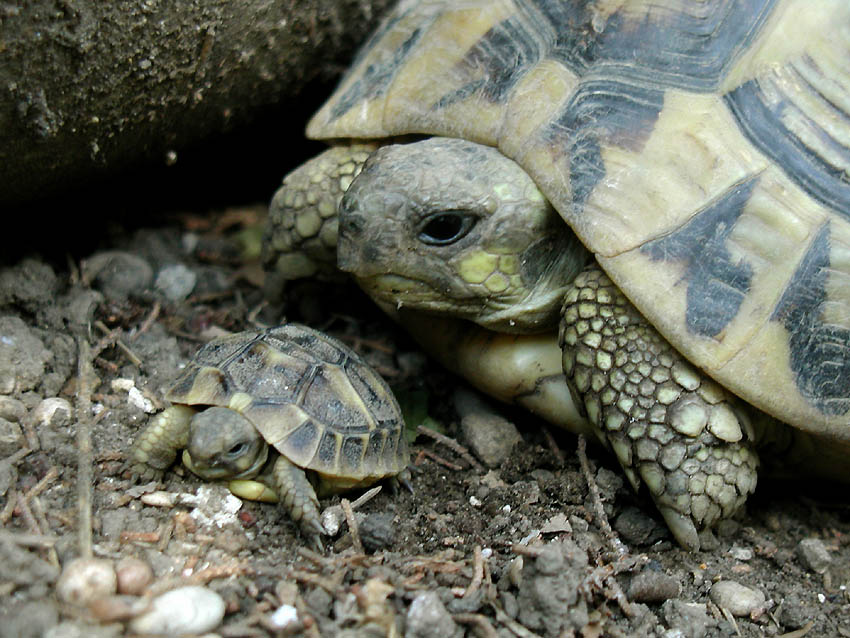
x=699, y=151
x=304, y=394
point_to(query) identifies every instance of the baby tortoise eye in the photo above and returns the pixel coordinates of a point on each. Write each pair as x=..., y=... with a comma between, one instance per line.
x=446, y=227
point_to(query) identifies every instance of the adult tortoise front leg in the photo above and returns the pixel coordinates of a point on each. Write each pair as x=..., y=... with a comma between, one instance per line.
x=669, y=424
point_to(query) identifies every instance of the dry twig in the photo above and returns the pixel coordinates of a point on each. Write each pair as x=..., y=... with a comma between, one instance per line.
x=352, y=525
x=148, y=322
x=439, y=460
x=480, y=623
x=451, y=444
x=560, y=461
x=599, y=511
x=84, y=448
x=477, y=572
x=112, y=336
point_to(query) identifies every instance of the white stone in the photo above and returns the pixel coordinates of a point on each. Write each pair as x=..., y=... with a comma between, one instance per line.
x=187, y=610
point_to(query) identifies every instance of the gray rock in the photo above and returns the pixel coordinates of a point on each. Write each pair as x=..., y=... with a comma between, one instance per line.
x=11, y=438
x=490, y=435
x=794, y=613
x=739, y=599
x=377, y=531
x=23, y=567
x=31, y=620
x=53, y=411
x=22, y=356
x=814, y=555
x=12, y=409
x=636, y=527
x=117, y=274
x=427, y=618
x=176, y=282
x=30, y=285
x=690, y=620
x=651, y=586
x=550, y=595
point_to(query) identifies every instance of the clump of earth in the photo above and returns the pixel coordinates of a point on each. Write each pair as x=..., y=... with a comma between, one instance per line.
x=504, y=534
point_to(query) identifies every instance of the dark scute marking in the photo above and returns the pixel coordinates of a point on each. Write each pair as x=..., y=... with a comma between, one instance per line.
x=219, y=351
x=322, y=403
x=574, y=40
x=496, y=61
x=390, y=452
x=762, y=123
x=820, y=352
x=327, y=449
x=304, y=436
x=377, y=440
x=305, y=344
x=602, y=114
x=377, y=76
x=716, y=284
x=352, y=454
x=691, y=47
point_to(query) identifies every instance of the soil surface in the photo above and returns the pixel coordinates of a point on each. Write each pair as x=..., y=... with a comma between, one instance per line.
x=88, y=346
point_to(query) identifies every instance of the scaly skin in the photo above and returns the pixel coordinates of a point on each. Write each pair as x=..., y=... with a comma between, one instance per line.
x=301, y=234
x=668, y=424
x=155, y=449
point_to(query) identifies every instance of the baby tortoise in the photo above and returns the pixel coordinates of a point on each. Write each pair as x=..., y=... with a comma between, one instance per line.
x=332, y=423
x=667, y=182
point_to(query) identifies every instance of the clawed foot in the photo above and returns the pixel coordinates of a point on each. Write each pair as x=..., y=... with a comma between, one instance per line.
x=670, y=426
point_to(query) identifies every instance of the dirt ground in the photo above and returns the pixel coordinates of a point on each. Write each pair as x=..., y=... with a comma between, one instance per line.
x=88, y=346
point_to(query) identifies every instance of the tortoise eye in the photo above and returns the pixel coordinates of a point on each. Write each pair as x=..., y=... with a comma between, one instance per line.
x=238, y=450
x=447, y=227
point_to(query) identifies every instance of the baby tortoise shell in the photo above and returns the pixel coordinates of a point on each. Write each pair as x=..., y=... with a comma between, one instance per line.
x=306, y=395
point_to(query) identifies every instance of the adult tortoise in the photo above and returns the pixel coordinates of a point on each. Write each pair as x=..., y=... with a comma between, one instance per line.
x=698, y=151
x=331, y=421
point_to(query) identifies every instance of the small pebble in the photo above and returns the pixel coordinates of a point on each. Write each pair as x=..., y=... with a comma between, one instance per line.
x=176, y=282
x=134, y=575
x=377, y=531
x=284, y=616
x=85, y=579
x=737, y=598
x=814, y=555
x=741, y=553
x=427, y=618
x=11, y=437
x=12, y=409
x=650, y=586
x=686, y=620
x=187, y=610
x=117, y=274
x=54, y=411
x=111, y=609
x=490, y=435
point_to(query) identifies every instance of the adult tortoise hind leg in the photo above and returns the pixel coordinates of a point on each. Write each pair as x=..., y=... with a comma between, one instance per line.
x=670, y=425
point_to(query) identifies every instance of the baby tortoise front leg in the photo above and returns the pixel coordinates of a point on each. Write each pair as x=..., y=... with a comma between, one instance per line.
x=155, y=449
x=669, y=424
x=299, y=498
